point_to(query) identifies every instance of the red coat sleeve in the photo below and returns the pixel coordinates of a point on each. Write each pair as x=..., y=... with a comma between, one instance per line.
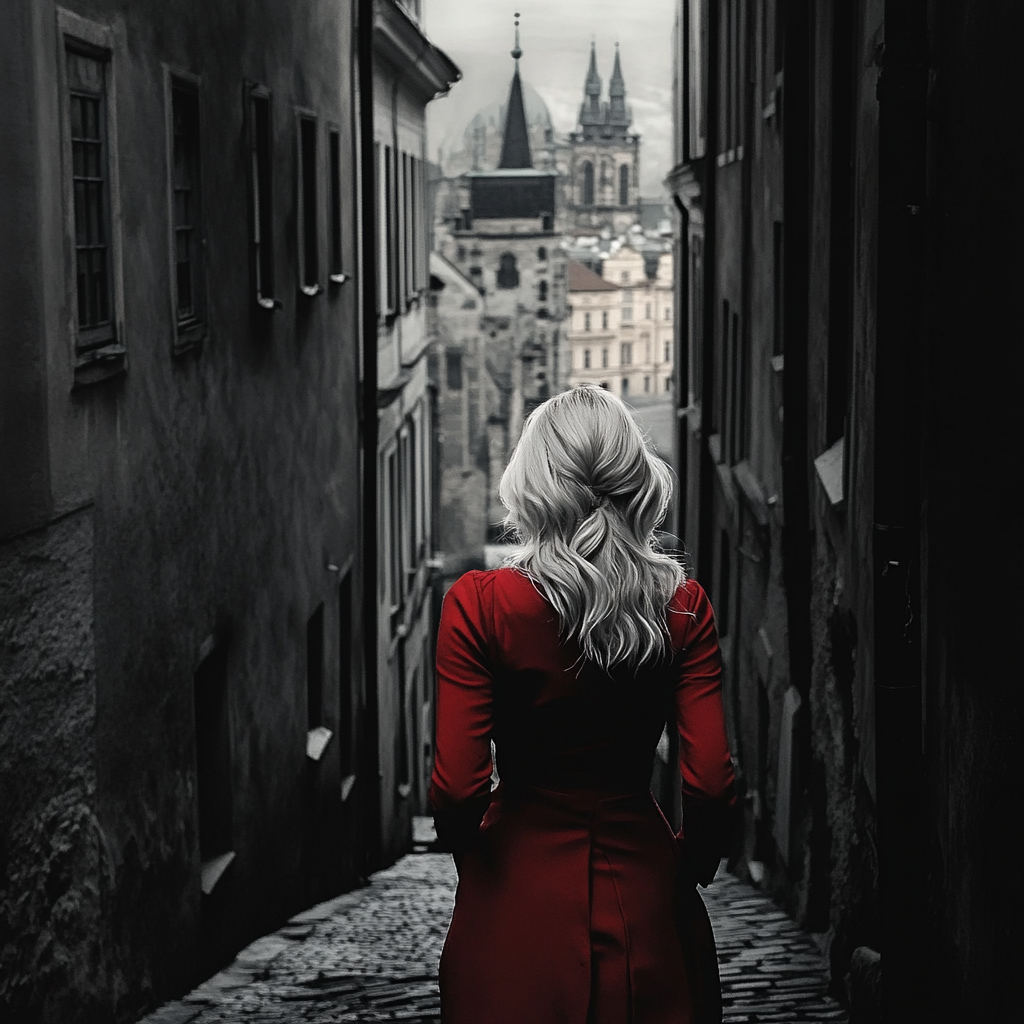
x=460, y=786
x=708, y=784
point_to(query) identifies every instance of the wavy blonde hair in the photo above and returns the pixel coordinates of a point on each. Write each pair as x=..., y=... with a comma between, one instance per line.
x=585, y=494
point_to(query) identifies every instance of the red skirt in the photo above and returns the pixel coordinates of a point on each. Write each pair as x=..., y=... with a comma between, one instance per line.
x=571, y=909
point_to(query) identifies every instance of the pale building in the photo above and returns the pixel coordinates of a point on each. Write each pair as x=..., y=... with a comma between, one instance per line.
x=620, y=326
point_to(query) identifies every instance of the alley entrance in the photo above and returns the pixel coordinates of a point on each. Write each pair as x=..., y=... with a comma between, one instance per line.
x=372, y=955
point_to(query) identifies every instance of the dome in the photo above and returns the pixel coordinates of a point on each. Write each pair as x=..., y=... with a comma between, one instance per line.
x=478, y=145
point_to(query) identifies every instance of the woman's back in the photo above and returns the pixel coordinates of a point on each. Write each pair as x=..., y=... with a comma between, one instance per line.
x=569, y=874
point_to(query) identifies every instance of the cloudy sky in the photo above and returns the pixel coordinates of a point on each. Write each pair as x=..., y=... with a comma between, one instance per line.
x=555, y=36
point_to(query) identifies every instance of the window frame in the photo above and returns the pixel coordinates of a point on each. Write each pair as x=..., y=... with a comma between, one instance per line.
x=307, y=166
x=335, y=217
x=100, y=354
x=260, y=177
x=191, y=332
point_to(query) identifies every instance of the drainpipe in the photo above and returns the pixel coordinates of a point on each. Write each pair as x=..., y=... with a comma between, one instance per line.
x=369, y=768
x=902, y=95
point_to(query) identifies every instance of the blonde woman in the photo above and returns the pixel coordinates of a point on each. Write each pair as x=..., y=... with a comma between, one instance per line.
x=576, y=903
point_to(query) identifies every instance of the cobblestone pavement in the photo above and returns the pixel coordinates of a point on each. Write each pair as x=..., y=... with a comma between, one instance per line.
x=372, y=954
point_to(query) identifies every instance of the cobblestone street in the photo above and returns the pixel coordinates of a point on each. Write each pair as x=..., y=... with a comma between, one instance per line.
x=372, y=954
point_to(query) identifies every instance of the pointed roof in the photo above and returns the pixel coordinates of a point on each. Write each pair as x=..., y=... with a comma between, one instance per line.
x=618, y=113
x=583, y=279
x=590, y=111
x=515, y=147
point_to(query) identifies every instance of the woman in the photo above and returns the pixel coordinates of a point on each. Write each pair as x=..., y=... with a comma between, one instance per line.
x=575, y=902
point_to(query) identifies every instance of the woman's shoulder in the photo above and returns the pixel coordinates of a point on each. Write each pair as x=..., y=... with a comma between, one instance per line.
x=689, y=608
x=506, y=581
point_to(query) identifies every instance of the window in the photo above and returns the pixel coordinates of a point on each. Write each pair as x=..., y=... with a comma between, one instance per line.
x=696, y=71
x=777, y=337
x=213, y=766
x=186, y=216
x=668, y=383
x=625, y=386
x=668, y=351
x=586, y=321
x=625, y=277
x=626, y=353
x=604, y=320
x=91, y=197
x=261, y=190
x=315, y=669
x=309, y=235
x=453, y=369
x=336, y=262
x=542, y=254
x=668, y=312
x=624, y=185
x=647, y=311
x=647, y=385
x=586, y=359
x=627, y=314
x=476, y=275
x=542, y=291
x=508, y=272
x=588, y=183
x=461, y=255
x=604, y=358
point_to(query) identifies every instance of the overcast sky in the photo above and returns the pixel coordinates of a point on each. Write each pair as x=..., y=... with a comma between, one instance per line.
x=555, y=37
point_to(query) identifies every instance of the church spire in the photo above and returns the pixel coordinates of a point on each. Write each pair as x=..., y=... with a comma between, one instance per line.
x=618, y=112
x=590, y=111
x=515, y=146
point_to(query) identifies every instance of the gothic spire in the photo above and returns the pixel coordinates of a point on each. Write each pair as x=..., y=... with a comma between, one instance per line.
x=515, y=146
x=618, y=113
x=590, y=111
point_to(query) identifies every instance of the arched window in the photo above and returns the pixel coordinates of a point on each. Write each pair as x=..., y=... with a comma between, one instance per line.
x=542, y=253
x=588, y=183
x=542, y=291
x=624, y=185
x=508, y=272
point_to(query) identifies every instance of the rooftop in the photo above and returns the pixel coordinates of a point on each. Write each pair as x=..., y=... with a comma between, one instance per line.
x=582, y=279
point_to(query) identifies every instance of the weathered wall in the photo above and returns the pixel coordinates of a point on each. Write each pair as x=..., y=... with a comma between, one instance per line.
x=221, y=483
x=54, y=857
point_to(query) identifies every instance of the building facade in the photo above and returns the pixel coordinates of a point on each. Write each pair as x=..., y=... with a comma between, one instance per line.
x=179, y=528
x=409, y=71
x=832, y=242
x=603, y=186
x=620, y=328
x=500, y=302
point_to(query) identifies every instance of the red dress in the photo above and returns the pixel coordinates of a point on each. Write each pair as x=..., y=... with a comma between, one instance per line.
x=576, y=903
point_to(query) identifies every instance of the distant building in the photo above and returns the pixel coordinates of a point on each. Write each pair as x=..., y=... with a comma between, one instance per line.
x=500, y=301
x=620, y=330
x=408, y=72
x=603, y=186
x=181, y=766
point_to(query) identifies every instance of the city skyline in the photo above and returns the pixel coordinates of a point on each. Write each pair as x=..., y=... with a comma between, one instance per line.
x=556, y=50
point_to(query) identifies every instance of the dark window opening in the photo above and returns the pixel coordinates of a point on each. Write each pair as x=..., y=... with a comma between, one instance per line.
x=335, y=199
x=315, y=669
x=86, y=78
x=624, y=185
x=309, y=241
x=186, y=204
x=625, y=386
x=542, y=253
x=542, y=291
x=588, y=183
x=346, y=681
x=724, y=581
x=453, y=369
x=508, y=272
x=213, y=755
x=777, y=338
x=262, y=199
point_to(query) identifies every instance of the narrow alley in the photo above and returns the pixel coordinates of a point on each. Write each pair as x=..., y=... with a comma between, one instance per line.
x=372, y=954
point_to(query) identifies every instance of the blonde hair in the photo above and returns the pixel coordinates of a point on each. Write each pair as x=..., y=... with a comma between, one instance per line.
x=585, y=494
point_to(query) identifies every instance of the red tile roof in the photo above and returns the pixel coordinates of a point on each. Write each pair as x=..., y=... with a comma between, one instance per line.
x=583, y=279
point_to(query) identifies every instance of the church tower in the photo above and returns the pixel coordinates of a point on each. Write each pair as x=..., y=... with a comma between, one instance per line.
x=604, y=174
